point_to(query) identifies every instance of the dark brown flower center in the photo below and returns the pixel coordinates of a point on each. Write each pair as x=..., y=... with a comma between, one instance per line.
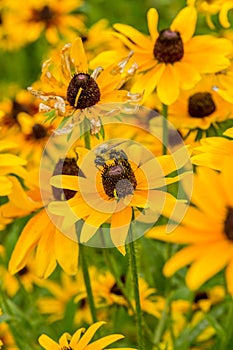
x=67, y=166
x=200, y=296
x=118, y=179
x=201, y=105
x=168, y=47
x=23, y=271
x=46, y=14
x=116, y=289
x=228, y=224
x=18, y=108
x=66, y=348
x=83, y=91
x=38, y=131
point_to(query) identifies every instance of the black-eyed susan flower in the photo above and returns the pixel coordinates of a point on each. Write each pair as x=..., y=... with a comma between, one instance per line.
x=55, y=19
x=70, y=90
x=174, y=57
x=210, y=8
x=130, y=184
x=206, y=229
x=200, y=107
x=81, y=340
x=214, y=151
x=51, y=247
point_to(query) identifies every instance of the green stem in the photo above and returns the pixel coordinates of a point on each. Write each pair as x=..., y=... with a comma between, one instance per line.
x=86, y=275
x=87, y=138
x=165, y=128
x=134, y=271
x=161, y=324
x=87, y=281
x=112, y=267
x=226, y=343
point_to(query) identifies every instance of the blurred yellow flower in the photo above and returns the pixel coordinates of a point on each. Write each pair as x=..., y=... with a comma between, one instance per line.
x=209, y=8
x=173, y=58
x=207, y=228
x=56, y=19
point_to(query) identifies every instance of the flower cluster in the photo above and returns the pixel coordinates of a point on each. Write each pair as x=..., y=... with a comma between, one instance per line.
x=116, y=146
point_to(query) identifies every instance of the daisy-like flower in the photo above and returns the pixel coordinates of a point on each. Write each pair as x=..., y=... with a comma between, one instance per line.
x=55, y=19
x=214, y=151
x=207, y=229
x=200, y=107
x=209, y=8
x=71, y=91
x=9, y=164
x=173, y=58
x=11, y=109
x=81, y=340
x=51, y=247
x=129, y=184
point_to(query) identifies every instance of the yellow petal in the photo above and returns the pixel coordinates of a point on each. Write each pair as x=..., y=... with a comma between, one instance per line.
x=11, y=160
x=65, y=181
x=189, y=76
x=5, y=186
x=168, y=88
x=185, y=23
x=103, y=342
x=208, y=264
x=91, y=224
x=48, y=343
x=78, y=56
x=88, y=335
x=152, y=20
x=28, y=241
x=66, y=251
x=133, y=34
x=120, y=223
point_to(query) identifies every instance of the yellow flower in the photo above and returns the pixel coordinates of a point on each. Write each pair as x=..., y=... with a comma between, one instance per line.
x=51, y=246
x=55, y=19
x=200, y=107
x=214, y=151
x=207, y=228
x=9, y=164
x=173, y=58
x=78, y=341
x=209, y=8
x=70, y=91
x=127, y=186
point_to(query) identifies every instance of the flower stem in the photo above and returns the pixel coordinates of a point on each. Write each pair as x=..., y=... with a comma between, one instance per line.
x=87, y=281
x=226, y=343
x=134, y=271
x=86, y=275
x=165, y=128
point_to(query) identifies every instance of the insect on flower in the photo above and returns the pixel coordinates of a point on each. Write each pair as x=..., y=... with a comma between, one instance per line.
x=106, y=152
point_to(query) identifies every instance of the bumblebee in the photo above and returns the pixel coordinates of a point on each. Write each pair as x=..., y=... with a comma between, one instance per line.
x=107, y=152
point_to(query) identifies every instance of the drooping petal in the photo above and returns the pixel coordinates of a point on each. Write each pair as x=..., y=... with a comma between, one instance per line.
x=66, y=251
x=208, y=264
x=184, y=257
x=27, y=241
x=91, y=225
x=120, y=223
